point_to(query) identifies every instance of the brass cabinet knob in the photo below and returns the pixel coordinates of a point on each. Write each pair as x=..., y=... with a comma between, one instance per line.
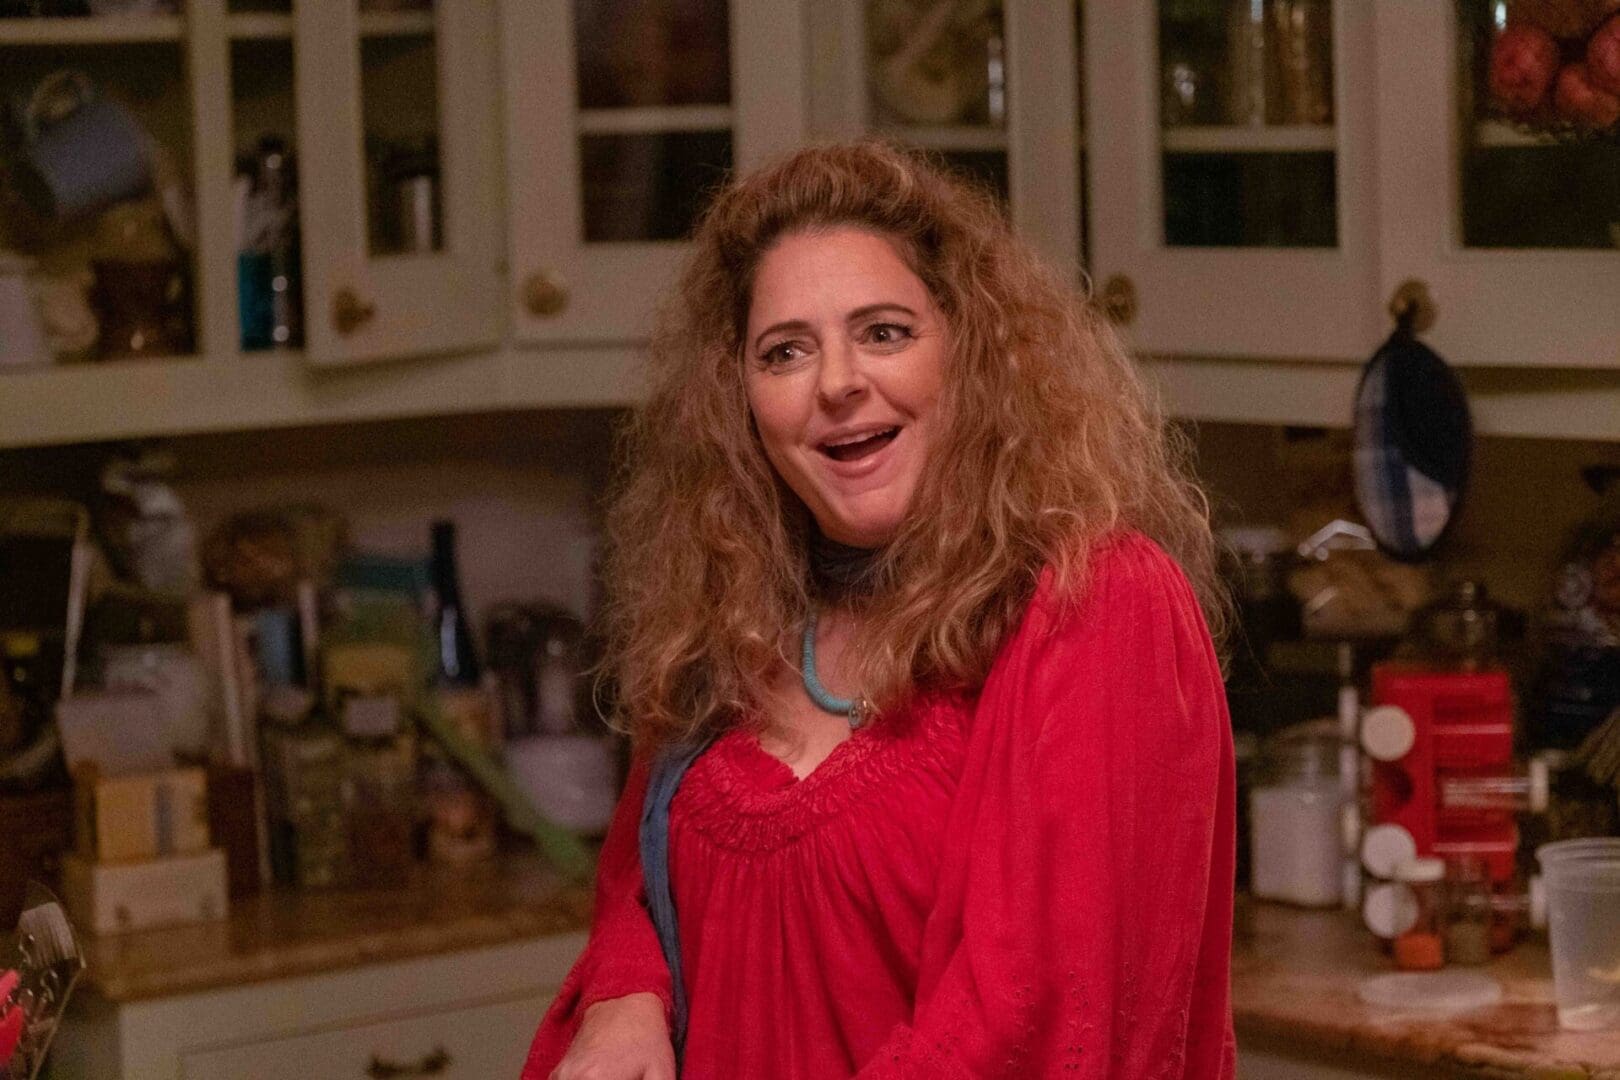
x=1118, y=299
x=349, y=312
x=1411, y=299
x=544, y=294
x=433, y=1063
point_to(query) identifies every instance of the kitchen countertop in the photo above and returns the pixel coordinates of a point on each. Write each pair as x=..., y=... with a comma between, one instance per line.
x=1294, y=979
x=1294, y=973
x=283, y=932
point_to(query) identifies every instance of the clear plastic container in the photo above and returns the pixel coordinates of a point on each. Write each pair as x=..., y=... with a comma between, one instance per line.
x=1582, y=880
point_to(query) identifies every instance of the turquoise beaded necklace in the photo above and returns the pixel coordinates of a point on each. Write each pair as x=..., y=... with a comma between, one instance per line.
x=853, y=708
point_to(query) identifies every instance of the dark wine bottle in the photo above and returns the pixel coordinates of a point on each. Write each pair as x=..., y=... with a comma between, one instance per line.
x=458, y=662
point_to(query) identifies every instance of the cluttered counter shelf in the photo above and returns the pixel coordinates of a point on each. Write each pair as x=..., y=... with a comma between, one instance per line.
x=285, y=932
x=1295, y=975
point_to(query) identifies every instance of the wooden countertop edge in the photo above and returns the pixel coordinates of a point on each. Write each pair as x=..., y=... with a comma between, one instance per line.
x=318, y=958
x=287, y=936
x=1368, y=1044
x=1454, y=1042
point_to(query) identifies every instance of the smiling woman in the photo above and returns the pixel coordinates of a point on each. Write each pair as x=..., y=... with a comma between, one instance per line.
x=908, y=612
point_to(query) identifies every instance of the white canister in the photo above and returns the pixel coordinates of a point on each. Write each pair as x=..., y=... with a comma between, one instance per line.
x=22, y=330
x=573, y=780
x=1294, y=819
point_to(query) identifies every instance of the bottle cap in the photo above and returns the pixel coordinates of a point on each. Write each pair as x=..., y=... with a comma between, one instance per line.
x=1389, y=909
x=1384, y=847
x=1387, y=733
x=1421, y=870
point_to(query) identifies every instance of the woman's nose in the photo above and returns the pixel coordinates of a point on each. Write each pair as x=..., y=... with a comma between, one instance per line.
x=840, y=377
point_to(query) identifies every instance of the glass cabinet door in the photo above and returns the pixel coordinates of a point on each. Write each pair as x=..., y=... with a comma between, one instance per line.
x=1233, y=200
x=622, y=117
x=1512, y=224
x=98, y=214
x=934, y=74
x=987, y=87
x=398, y=228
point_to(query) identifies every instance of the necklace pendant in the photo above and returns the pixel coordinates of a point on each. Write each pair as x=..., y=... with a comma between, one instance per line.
x=859, y=713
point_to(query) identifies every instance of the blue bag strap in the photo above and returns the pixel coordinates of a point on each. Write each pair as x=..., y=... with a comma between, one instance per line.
x=667, y=773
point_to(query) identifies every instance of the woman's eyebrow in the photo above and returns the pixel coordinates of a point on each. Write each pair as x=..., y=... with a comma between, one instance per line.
x=776, y=328
x=872, y=309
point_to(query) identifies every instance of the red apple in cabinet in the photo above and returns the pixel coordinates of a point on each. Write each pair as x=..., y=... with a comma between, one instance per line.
x=1580, y=102
x=1524, y=61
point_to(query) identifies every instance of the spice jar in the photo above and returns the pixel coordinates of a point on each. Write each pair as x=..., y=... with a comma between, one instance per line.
x=1421, y=947
x=1469, y=913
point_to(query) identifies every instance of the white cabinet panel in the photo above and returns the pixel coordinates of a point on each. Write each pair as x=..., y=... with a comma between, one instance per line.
x=466, y=1044
x=1212, y=286
x=1545, y=306
x=619, y=117
x=392, y=268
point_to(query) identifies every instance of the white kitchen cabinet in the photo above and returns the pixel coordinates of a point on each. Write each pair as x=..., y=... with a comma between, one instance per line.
x=364, y=96
x=989, y=87
x=400, y=199
x=620, y=118
x=1224, y=223
x=459, y=1016
x=574, y=141
x=1517, y=238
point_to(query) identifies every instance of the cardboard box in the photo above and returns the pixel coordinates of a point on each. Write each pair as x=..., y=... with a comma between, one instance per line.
x=145, y=816
x=111, y=898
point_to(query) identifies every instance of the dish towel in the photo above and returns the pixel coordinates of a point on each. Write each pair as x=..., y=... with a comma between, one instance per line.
x=1413, y=445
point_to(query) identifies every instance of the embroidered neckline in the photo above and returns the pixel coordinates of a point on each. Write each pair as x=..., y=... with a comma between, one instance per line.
x=741, y=796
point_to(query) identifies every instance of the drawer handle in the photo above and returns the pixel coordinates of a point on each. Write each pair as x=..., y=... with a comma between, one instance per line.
x=433, y=1063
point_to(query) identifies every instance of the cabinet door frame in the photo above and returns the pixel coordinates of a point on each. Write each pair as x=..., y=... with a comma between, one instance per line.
x=1494, y=307
x=610, y=290
x=1043, y=131
x=423, y=304
x=1296, y=304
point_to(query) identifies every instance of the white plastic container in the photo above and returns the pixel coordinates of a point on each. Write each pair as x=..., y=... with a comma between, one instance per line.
x=572, y=779
x=1295, y=822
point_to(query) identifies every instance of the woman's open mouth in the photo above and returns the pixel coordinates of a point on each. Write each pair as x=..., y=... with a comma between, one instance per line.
x=855, y=447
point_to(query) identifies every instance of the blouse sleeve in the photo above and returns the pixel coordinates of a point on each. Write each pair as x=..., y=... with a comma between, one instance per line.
x=622, y=955
x=1092, y=934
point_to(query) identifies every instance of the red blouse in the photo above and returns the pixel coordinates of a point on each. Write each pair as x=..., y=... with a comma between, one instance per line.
x=1036, y=881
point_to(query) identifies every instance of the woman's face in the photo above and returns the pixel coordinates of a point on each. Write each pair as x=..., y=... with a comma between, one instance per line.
x=845, y=358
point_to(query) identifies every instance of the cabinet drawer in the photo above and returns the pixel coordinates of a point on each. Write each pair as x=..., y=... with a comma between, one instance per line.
x=475, y=1043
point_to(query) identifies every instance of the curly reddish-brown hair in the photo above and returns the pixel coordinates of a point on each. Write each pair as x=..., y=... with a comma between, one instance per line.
x=1048, y=441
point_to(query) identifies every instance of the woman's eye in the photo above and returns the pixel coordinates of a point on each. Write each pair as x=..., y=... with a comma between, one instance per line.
x=888, y=333
x=782, y=353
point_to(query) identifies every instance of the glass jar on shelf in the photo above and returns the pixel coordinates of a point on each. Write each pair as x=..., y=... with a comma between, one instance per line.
x=1470, y=914
x=1421, y=946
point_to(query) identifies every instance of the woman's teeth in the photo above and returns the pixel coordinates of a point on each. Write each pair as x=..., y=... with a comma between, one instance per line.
x=859, y=448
